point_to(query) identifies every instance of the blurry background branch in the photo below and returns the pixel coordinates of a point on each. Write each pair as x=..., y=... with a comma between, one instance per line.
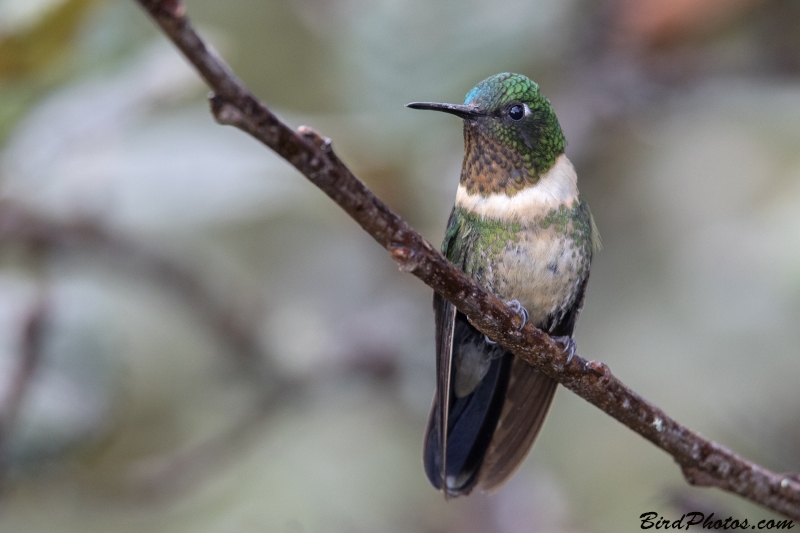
x=164, y=475
x=703, y=462
x=233, y=324
x=42, y=235
x=30, y=352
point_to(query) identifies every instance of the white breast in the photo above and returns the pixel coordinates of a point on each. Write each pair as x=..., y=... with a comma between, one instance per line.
x=558, y=186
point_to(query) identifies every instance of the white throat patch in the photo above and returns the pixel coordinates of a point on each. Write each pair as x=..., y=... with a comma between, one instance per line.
x=558, y=186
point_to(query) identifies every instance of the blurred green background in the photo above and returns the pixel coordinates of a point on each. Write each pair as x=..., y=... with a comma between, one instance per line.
x=222, y=350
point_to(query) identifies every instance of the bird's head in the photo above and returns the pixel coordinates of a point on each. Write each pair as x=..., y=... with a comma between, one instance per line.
x=507, y=118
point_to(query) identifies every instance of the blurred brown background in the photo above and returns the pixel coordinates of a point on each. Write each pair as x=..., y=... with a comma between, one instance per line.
x=194, y=339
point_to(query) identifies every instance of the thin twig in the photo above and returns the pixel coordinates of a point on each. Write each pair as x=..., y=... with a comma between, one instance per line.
x=703, y=462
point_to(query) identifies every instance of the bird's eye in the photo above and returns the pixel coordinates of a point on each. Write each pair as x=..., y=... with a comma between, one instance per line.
x=516, y=112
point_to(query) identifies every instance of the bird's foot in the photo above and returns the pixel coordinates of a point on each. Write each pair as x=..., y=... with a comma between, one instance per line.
x=520, y=310
x=568, y=344
x=517, y=308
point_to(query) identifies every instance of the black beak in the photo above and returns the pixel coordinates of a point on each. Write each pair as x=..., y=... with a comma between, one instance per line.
x=462, y=111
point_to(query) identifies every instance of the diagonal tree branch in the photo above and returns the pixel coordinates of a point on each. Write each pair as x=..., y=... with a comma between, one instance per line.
x=703, y=462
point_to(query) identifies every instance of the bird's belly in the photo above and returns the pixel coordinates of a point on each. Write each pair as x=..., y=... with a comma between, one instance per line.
x=543, y=271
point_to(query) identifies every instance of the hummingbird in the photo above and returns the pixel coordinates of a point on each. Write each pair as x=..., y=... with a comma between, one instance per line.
x=521, y=230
